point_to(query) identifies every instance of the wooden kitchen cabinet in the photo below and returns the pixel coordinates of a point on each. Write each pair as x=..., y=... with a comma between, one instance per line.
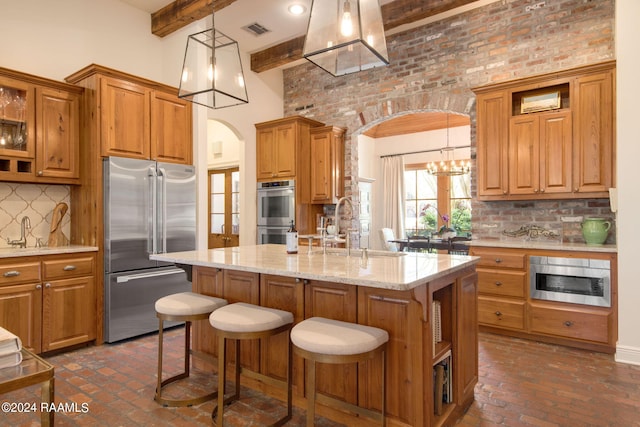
x=492, y=143
x=565, y=152
x=49, y=301
x=40, y=129
x=502, y=288
x=540, y=154
x=133, y=117
x=21, y=300
x=282, y=149
x=327, y=164
x=505, y=304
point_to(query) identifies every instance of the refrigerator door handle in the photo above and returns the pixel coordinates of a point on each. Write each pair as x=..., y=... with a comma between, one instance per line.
x=152, y=244
x=162, y=175
x=129, y=277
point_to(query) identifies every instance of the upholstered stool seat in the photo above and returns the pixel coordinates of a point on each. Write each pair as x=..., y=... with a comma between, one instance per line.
x=182, y=307
x=242, y=321
x=332, y=341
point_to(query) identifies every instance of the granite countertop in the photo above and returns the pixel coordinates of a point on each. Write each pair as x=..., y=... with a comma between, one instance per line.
x=19, y=252
x=388, y=270
x=544, y=244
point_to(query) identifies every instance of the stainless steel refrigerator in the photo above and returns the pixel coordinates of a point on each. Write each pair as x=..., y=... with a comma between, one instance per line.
x=149, y=207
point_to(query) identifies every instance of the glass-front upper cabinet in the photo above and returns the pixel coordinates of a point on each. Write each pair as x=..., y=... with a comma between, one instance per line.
x=17, y=115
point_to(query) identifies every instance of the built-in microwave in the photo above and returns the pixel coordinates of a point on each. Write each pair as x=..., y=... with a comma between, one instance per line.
x=276, y=203
x=573, y=280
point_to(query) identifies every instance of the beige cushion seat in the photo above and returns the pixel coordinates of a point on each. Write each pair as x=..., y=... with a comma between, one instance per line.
x=243, y=317
x=321, y=340
x=328, y=336
x=188, y=304
x=182, y=307
x=240, y=322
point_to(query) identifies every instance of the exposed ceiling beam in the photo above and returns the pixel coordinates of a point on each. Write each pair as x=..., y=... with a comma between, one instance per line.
x=394, y=14
x=181, y=13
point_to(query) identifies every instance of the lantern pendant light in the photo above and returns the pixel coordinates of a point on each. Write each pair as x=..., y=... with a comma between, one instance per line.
x=345, y=36
x=212, y=70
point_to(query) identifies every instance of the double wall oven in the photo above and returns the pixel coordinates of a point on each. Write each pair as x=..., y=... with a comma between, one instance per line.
x=276, y=210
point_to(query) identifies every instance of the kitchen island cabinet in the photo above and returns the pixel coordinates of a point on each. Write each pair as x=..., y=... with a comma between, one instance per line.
x=397, y=293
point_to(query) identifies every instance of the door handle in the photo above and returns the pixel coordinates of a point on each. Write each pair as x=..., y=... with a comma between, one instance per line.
x=130, y=277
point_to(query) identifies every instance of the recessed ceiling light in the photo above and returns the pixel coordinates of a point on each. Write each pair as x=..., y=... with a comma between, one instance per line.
x=297, y=9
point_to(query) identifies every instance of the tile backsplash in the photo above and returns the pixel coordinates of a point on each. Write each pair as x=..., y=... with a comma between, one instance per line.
x=36, y=202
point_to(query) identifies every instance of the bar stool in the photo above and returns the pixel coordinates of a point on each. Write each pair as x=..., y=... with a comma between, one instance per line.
x=242, y=321
x=183, y=307
x=332, y=341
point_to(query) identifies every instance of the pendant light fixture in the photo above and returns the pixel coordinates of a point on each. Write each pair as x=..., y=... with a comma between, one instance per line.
x=212, y=70
x=346, y=36
x=448, y=165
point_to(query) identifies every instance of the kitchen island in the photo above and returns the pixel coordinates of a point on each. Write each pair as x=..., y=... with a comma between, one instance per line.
x=427, y=303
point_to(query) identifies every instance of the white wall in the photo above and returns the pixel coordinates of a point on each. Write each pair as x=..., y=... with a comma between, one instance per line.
x=628, y=146
x=370, y=164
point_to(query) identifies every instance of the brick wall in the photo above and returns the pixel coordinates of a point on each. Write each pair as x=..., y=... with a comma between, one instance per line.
x=435, y=66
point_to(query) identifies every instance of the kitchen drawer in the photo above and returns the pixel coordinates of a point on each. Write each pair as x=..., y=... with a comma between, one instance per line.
x=67, y=268
x=584, y=324
x=501, y=312
x=499, y=259
x=13, y=274
x=502, y=283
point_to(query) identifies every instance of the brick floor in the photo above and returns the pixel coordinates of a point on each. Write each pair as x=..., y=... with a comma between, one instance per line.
x=522, y=383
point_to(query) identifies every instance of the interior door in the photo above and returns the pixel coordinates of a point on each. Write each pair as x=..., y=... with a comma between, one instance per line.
x=224, y=208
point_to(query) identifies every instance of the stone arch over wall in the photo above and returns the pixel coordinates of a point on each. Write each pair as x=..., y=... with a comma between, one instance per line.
x=371, y=116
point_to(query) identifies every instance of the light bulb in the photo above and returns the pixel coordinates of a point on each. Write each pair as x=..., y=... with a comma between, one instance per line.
x=370, y=40
x=3, y=141
x=185, y=75
x=240, y=80
x=210, y=73
x=346, y=26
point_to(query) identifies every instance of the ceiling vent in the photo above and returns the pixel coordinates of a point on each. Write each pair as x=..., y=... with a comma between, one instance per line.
x=256, y=29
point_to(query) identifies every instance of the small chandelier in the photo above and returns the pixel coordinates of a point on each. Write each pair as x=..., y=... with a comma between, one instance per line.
x=448, y=165
x=212, y=71
x=346, y=36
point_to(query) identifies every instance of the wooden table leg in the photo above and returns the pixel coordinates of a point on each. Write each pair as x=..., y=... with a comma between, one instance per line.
x=48, y=397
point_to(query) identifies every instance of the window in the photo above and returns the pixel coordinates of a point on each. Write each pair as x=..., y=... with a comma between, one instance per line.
x=430, y=199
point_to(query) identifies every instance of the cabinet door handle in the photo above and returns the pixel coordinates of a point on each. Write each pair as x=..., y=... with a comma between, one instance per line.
x=69, y=267
x=568, y=323
x=498, y=283
x=40, y=173
x=38, y=286
x=12, y=273
x=47, y=285
x=498, y=313
x=498, y=260
x=542, y=190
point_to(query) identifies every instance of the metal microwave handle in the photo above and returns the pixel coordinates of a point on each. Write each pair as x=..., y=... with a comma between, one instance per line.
x=130, y=277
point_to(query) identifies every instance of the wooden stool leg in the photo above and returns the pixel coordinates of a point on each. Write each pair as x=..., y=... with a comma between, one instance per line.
x=222, y=354
x=160, y=341
x=187, y=347
x=311, y=393
x=384, y=364
x=289, y=378
x=236, y=396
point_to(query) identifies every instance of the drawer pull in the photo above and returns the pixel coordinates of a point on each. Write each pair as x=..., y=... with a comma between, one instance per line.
x=12, y=273
x=498, y=260
x=498, y=313
x=69, y=267
x=568, y=323
x=47, y=285
x=498, y=283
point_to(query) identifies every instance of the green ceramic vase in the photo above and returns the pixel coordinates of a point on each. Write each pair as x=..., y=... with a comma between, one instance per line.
x=595, y=230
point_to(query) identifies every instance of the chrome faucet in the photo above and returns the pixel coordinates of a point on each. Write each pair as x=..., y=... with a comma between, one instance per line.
x=25, y=225
x=337, y=224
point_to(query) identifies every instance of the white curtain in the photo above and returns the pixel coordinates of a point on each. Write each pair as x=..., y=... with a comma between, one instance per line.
x=393, y=194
